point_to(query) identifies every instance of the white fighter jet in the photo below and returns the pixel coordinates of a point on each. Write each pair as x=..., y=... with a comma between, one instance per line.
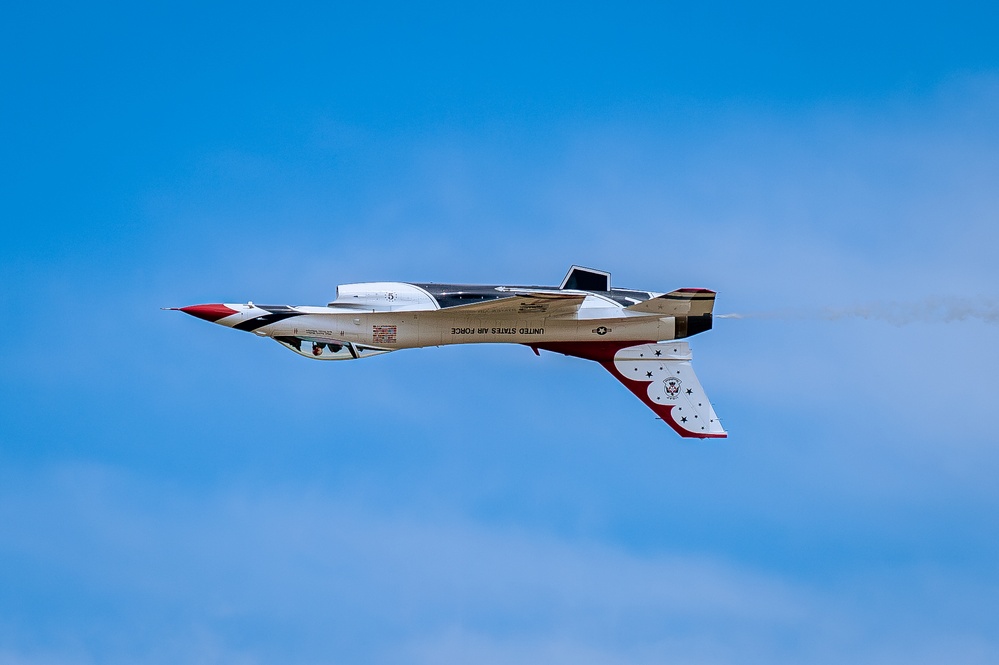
x=631, y=333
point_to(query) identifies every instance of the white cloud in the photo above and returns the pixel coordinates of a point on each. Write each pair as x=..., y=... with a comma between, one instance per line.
x=188, y=575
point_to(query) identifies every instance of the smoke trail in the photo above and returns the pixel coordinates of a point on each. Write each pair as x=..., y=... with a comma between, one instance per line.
x=928, y=310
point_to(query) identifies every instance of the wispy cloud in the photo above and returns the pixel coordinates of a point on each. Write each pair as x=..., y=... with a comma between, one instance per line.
x=393, y=587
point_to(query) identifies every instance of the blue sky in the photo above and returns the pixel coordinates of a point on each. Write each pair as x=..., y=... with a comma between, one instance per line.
x=172, y=491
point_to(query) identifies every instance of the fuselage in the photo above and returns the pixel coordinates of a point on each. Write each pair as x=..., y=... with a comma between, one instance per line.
x=630, y=333
x=387, y=316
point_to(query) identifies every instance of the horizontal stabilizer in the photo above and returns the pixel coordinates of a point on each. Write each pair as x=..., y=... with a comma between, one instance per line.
x=682, y=302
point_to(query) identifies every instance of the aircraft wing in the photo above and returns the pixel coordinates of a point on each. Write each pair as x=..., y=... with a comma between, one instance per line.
x=527, y=303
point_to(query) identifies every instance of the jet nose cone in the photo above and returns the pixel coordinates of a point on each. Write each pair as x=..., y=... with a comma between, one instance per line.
x=209, y=312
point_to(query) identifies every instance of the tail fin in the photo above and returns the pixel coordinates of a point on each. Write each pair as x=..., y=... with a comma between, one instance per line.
x=662, y=377
x=690, y=307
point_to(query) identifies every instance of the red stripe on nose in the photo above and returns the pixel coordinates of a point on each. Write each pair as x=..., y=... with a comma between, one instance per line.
x=208, y=312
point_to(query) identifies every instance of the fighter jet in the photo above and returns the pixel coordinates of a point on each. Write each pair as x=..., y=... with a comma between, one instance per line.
x=632, y=334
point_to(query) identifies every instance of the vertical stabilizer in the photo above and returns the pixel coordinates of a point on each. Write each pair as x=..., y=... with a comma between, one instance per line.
x=661, y=376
